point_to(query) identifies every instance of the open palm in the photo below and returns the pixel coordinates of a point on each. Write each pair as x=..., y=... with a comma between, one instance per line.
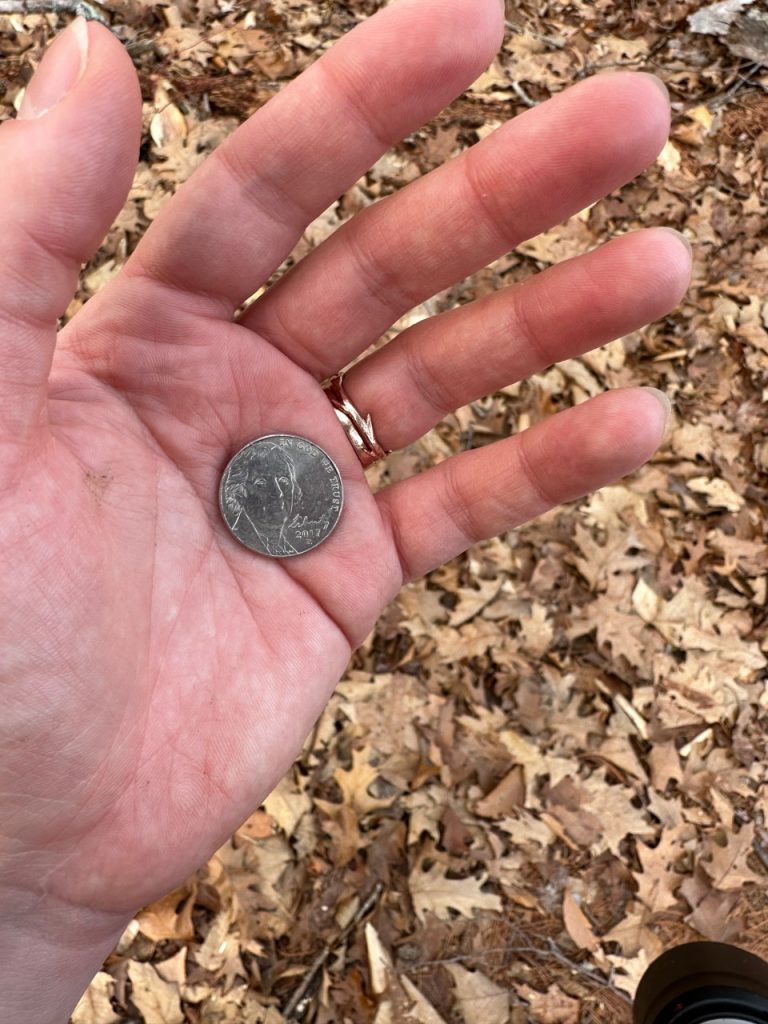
x=157, y=676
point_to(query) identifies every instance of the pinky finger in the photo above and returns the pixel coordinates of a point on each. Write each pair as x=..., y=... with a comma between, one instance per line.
x=436, y=515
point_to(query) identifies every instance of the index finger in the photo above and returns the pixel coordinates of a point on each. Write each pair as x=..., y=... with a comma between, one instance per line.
x=243, y=211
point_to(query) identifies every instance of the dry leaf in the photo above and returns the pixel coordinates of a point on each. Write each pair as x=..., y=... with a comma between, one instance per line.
x=504, y=797
x=379, y=961
x=711, y=911
x=94, y=1006
x=157, y=1000
x=479, y=999
x=577, y=924
x=432, y=892
x=287, y=804
x=658, y=883
x=169, y=917
x=669, y=158
x=552, y=1006
x=718, y=492
x=629, y=971
x=354, y=783
x=727, y=863
x=419, y=1009
x=646, y=602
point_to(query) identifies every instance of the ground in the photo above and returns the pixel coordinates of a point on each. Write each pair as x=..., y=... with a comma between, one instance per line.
x=550, y=759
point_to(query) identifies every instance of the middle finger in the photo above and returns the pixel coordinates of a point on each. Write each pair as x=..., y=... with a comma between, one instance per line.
x=533, y=172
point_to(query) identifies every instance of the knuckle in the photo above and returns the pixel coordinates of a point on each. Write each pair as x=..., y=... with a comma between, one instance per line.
x=381, y=281
x=532, y=476
x=431, y=389
x=458, y=504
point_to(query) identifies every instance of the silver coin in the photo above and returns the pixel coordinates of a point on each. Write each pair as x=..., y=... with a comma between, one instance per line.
x=281, y=495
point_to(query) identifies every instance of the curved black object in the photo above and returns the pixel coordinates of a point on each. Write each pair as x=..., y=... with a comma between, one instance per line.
x=703, y=983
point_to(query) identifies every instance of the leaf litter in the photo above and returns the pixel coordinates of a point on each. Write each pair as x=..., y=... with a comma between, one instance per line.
x=548, y=762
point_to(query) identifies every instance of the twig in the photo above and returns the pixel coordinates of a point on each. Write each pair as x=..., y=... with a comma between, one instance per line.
x=88, y=10
x=299, y=1001
x=737, y=82
x=552, y=953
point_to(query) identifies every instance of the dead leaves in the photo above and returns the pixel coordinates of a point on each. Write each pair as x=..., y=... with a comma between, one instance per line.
x=157, y=1000
x=659, y=880
x=552, y=1006
x=433, y=892
x=355, y=782
x=170, y=917
x=95, y=1007
x=479, y=1000
x=725, y=859
x=577, y=924
x=505, y=797
x=557, y=742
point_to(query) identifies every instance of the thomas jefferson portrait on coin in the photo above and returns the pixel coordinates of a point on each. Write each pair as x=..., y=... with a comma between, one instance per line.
x=281, y=495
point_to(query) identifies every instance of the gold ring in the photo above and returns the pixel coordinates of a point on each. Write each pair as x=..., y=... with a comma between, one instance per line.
x=358, y=430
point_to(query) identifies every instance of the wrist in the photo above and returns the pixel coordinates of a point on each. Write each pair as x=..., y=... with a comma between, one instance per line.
x=49, y=952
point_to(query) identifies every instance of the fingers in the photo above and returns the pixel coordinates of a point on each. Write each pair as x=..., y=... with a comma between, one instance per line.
x=447, y=361
x=65, y=175
x=246, y=207
x=436, y=515
x=535, y=171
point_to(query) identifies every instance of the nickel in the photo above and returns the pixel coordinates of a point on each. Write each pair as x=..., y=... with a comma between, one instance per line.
x=281, y=495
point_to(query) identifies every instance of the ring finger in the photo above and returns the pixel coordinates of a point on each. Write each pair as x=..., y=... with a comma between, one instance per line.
x=449, y=360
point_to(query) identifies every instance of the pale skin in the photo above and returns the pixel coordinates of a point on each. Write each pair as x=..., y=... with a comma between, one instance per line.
x=157, y=677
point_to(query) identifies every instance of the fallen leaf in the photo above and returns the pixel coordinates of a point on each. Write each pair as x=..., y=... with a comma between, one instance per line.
x=169, y=917
x=354, y=783
x=505, y=797
x=718, y=492
x=379, y=961
x=480, y=1000
x=157, y=1000
x=420, y=1010
x=432, y=892
x=658, y=882
x=577, y=924
x=646, y=602
x=552, y=1006
x=711, y=911
x=727, y=862
x=94, y=1006
x=629, y=971
x=287, y=804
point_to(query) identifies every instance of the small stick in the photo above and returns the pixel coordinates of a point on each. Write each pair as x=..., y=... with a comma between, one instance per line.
x=298, y=1002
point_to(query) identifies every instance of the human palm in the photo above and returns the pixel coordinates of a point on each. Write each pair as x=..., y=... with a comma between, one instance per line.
x=169, y=674
x=158, y=677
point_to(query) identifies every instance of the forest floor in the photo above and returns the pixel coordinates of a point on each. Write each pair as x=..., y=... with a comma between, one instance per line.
x=550, y=760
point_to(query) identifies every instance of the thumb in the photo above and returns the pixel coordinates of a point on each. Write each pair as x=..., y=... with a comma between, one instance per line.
x=66, y=163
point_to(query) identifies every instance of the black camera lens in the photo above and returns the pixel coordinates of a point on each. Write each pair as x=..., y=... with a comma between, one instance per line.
x=703, y=983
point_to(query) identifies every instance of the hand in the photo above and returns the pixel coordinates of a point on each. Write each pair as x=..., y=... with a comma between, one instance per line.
x=157, y=677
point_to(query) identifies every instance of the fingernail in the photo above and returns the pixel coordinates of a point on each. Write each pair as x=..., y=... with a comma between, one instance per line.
x=62, y=65
x=666, y=406
x=681, y=236
x=657, y=82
